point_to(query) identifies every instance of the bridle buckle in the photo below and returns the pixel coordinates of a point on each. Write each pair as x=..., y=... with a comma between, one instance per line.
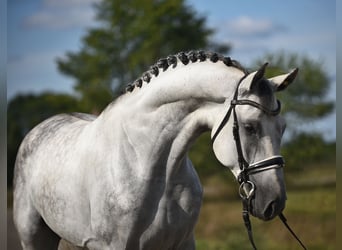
x=246, y=190
x=234, y=102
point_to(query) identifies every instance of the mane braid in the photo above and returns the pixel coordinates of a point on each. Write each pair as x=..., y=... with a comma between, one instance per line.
x=185, y=58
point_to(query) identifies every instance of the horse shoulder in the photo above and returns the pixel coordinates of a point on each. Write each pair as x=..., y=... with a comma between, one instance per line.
x=50, y=133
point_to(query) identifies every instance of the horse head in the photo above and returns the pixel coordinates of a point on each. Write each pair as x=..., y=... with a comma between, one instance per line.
x=253, y=155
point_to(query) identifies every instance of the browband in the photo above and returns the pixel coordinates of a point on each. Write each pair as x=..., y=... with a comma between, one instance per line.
x=266, y=110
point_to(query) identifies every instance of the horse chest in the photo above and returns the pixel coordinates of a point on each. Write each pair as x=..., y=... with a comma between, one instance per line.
x=180, y=209
x=158, y=219
x=175, y=217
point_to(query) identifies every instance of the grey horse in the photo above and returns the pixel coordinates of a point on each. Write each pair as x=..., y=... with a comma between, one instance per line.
x=123, y=180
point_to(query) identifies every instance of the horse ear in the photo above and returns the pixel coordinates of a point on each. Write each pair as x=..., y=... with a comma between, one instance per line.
x=258, y=75
x=283, y=81
x=252, y=80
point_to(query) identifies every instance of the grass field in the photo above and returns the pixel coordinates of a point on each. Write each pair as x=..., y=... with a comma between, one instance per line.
x=310, y=210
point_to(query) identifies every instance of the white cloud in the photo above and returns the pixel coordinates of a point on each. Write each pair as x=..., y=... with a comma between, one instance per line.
x=72, y=18
x=62, y=14
x=69, y=3
x=247, y=26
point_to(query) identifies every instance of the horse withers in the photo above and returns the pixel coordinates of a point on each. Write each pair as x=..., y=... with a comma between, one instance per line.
x=123, y=180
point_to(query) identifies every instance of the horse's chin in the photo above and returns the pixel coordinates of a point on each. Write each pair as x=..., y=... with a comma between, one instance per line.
x=268, y=213
x=254, y=212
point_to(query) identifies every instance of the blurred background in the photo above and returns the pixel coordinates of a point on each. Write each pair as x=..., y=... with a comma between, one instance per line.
x=77, y=55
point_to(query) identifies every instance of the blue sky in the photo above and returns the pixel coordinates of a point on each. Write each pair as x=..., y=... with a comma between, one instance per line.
x=39, y=31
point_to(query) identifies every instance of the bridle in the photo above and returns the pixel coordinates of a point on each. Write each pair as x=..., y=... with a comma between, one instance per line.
x=247, y=187
x=247, y=169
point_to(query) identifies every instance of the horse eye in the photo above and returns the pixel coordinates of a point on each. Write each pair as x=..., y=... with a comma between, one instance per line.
x=250, y=128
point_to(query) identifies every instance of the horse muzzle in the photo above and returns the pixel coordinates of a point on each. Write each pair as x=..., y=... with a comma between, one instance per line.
x=265, y=193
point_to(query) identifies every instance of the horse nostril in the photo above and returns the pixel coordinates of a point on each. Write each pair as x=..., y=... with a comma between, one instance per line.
x=270, y=211
x=273, y=209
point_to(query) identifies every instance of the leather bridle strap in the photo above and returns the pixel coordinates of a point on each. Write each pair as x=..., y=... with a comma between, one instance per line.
x=276, y=161
x=259, y=106
x=229, y=112
x=284, y=220
x=246, y=220
x=243, y=164
x=222, y=124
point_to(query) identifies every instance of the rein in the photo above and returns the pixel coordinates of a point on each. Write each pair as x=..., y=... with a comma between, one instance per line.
x=247, y=187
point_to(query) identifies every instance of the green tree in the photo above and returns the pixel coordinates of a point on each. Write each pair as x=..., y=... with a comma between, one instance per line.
x=131, y=35
x=26, y=111
x=307, y=149
x=305, y=101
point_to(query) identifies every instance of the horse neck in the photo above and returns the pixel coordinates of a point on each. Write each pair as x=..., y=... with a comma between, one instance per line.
x=162, y=119
x=211, y=82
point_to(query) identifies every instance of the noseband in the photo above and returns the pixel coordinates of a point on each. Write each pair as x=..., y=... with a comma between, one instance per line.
x=247, y=187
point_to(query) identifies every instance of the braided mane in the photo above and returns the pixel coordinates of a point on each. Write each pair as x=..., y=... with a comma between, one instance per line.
x=185, y=58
